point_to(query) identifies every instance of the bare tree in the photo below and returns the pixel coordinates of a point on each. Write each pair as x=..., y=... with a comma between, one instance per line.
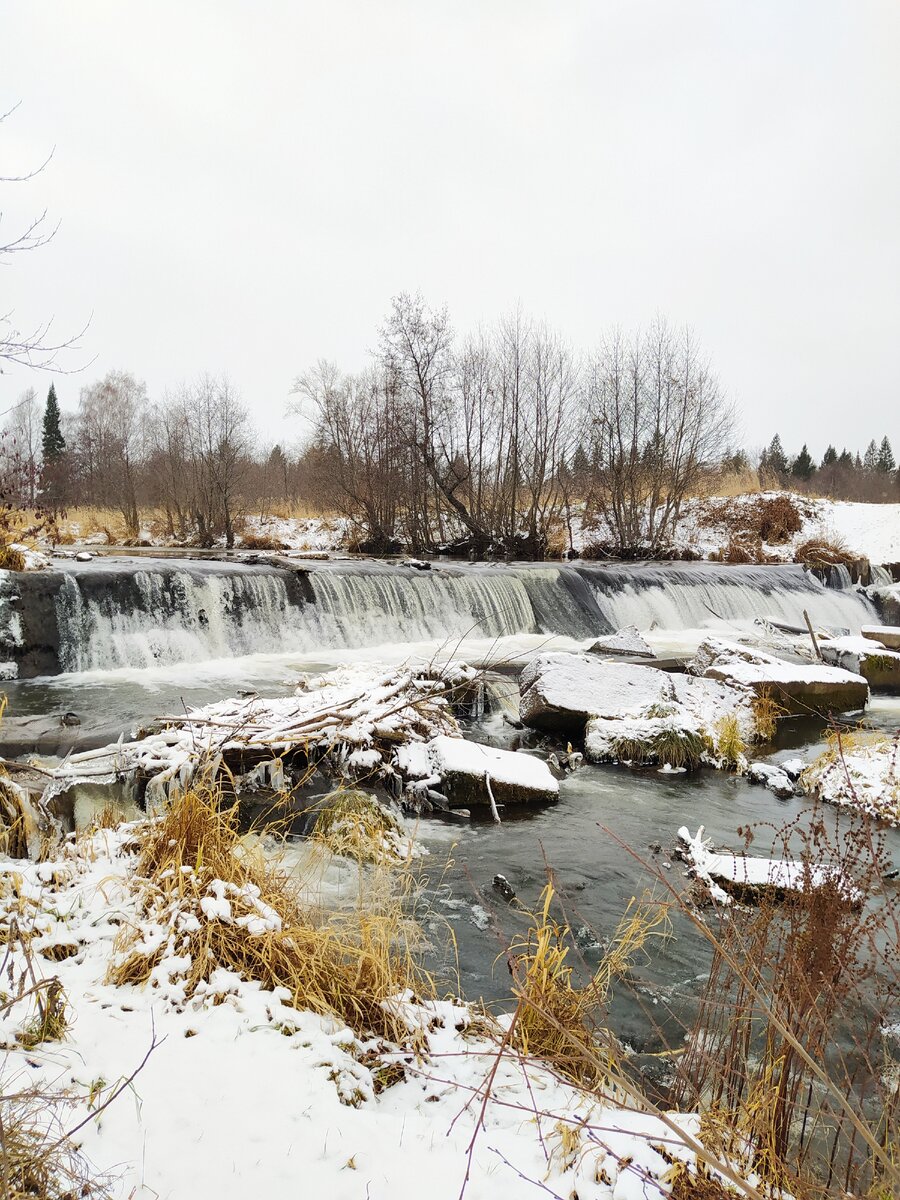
x=24, y=430
x=659, y=421
x=219, y=441
x=34, y=345
x=114, y=413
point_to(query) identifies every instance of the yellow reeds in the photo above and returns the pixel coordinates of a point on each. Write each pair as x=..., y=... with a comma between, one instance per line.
x=556, y=1020
x=251, y=917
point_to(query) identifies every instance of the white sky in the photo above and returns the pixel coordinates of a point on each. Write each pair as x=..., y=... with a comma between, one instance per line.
x=242, y=187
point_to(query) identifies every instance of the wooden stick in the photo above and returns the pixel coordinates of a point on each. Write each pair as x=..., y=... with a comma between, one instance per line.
x=812, y=635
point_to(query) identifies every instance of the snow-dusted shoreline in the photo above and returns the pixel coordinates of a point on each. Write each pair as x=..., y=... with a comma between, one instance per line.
x=240, y=1091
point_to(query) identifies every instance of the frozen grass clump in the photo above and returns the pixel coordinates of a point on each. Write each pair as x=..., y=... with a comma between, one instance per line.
x=355, y=825
x=208, y=906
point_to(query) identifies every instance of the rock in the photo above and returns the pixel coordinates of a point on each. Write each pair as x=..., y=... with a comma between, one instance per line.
x=888, y=601
x=878, y=665
x=775, y=779
x=560, y=692
x=502, y=885
x=417, y=564
x=885, y=635
x=626, y=642
x=798, y=688
x=467, y=773
x=632, y=713
x=84, y=556
x=70, y=719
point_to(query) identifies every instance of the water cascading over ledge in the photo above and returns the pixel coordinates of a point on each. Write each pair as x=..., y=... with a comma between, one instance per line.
x=123, y=613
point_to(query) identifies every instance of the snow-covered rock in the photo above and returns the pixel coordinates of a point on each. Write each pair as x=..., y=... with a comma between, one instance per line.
x=632, y=713
x=776, y=779
x=468, y=773
x=885, y=635
x=860, y=772
x=879, y=665
x=798, y=688
x=627, y=642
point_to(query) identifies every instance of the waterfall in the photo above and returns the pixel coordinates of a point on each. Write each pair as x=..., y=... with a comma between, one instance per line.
x=148, y=618
x=147, y=614
x=880, y=576
x=402, y=605
x=691, y=595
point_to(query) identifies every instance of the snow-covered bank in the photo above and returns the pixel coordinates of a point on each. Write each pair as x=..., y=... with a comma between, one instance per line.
x=241, y=1091
x=860, y=770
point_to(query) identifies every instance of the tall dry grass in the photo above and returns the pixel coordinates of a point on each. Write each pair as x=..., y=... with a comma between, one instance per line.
x=347, y=963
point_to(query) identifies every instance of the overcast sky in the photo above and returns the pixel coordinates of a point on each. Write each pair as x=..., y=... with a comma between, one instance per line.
x=242, y=187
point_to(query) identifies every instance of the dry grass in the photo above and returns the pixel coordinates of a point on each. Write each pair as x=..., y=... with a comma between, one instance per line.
x=261, y=541
x=729, y=742
x=38, y=1160
x=346, y=964
x=825, y=552
x=771, y=519
x=557, y=1021
x=354, y=825
x=670, y=744
x=11, y=560
x=767, y=712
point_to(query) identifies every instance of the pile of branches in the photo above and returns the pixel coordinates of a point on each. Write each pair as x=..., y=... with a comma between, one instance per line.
x=347, y=724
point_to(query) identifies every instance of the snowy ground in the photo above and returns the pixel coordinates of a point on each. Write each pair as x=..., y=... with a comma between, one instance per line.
x=241, y=1093
x=870, y=530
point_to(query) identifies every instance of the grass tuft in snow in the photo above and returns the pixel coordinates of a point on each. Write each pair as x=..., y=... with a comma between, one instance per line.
x=671, y=744
x=730, y=745
x=208, y=905
x=767, y=711
x=557, y=1021
x=354, y=825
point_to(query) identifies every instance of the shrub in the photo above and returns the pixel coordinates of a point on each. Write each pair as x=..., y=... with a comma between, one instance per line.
x=261, y=541
x=11, y=559
x=824, y=552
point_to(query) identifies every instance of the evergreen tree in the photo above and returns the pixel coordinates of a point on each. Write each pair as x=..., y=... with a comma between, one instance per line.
x=776, y=459
x=830, y=457
x=52, y=442
x=870, y=461
x=845, y=459
x=803, y=466
x=886, y=456
x=857, y=462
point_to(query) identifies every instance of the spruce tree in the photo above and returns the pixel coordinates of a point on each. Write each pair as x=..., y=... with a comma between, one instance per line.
x=776, y=459
x=829, y=457
x=870, y=460
x=886, y=461
x=803, y=465
x=53, y=443
x=845, y=459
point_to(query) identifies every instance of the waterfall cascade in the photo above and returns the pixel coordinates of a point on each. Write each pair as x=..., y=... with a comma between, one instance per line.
x=154, y=613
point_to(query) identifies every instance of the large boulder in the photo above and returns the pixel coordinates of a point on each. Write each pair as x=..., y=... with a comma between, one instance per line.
x=886, y=635
x=637, y=714
x=625, y=643
x=560, y=692
x=799, y=688
x=879, y=665
x=467, y=773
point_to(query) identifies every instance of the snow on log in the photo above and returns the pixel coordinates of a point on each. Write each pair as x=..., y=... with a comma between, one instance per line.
x=729, y=876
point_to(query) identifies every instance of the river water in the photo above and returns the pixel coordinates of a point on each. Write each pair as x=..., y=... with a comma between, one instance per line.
x=137, y=640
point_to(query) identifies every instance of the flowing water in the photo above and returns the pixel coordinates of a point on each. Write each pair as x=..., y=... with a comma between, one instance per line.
x=118, y=641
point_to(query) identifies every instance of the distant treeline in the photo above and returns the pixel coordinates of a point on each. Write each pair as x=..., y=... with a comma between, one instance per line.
x=490, y=442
